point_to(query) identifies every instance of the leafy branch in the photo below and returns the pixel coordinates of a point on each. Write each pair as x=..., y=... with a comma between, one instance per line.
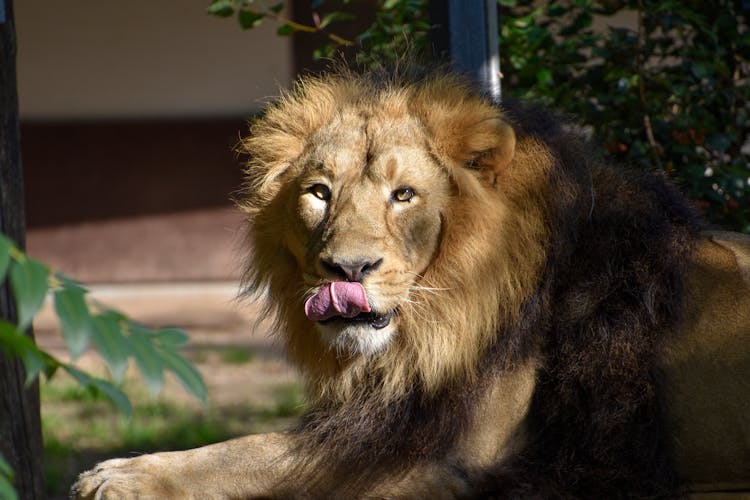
x=83, y=322
x=398, y=27
x=669, y=93
x=251, y=14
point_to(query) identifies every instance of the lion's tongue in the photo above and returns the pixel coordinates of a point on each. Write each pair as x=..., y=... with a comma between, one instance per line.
x=338, y=298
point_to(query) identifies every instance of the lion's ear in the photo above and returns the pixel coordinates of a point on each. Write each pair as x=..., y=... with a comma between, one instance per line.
x=489, y=146
x=477, y=138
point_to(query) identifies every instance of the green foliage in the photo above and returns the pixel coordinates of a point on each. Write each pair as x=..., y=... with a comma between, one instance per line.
x=28, y=279
x=75, y=321
x=7, y=492
x=5, y=247
x=235, y=355
x=98, y=386
x=115, y=337
x=251, y=13
x=188, y=376
x=400, y=26
x=668, y=92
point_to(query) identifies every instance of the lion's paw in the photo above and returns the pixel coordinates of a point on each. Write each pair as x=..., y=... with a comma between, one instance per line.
x=124, y=478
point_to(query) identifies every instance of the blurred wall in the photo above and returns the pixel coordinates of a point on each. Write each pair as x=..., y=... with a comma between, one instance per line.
x=107, y=59
x=129, y=115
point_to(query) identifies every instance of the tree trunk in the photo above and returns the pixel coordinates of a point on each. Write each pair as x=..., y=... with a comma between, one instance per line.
x=20, y=428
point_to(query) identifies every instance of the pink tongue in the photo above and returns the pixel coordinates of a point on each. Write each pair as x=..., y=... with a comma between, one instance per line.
x=338, y=298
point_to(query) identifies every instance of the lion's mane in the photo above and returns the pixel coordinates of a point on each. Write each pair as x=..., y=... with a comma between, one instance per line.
x=556, y=259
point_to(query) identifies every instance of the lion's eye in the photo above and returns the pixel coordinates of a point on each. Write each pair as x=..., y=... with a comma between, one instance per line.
x=403, y=194
x=320, y=191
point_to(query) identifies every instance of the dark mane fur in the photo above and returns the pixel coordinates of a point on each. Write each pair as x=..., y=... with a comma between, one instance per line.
x=609, y=299
x=616, y=296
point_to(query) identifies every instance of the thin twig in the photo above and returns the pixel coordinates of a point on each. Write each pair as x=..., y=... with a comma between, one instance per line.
x=308, y=29
x=656, y=148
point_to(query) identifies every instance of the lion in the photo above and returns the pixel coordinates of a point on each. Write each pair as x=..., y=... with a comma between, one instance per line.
x=480, y=306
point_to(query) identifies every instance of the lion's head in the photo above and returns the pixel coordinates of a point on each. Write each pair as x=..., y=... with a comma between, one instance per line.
x=421, y=206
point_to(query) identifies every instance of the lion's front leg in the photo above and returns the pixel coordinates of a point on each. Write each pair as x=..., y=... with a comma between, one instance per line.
x=241, y=468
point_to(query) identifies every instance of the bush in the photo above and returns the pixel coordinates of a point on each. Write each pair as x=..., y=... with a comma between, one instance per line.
x=671, y=93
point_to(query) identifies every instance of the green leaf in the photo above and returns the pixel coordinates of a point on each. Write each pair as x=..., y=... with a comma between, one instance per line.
x=69, y=283
x=111, y=343
x=146, y=357
x=5, y=469
x=221, y=8
x=285, y=30
x=28, y=279
x=51, y=366
x=276, y=8
x=5, y=246
x=33, y=363
x=507, y=3
x=17, y=343
x=115, y=395
x=335, y=16
x=75, y=319
x=188, y=376
x=250, y=19
x=7, y=492
x=118, y=398
x=171, y=338
x=544, y=77
x=117, y=316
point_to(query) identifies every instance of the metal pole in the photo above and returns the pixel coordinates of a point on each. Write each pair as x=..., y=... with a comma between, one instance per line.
x=465, y=31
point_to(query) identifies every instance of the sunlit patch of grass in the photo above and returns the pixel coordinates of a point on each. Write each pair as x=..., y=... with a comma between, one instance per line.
x=236, y=355
x=78, y=435
x=81, y=429
x=290, y=401
x=230, y=354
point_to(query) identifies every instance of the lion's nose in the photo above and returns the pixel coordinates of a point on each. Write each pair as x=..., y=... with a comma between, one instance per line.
x=350, y=270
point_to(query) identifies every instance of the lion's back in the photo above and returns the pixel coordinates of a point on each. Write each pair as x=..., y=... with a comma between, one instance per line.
x=708, y=367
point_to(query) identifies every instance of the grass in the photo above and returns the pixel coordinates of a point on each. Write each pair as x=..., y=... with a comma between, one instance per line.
x=236, y=355
x=229, y=354
x=81, y=429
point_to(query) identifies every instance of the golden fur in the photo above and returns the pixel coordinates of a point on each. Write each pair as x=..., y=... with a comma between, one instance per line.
x=456, y=127
x=538, y=294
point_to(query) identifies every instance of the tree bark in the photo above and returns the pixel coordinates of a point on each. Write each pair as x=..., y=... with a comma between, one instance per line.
x=20, y=427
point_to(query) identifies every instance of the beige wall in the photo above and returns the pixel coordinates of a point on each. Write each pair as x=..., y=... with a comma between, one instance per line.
x=103, y=59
